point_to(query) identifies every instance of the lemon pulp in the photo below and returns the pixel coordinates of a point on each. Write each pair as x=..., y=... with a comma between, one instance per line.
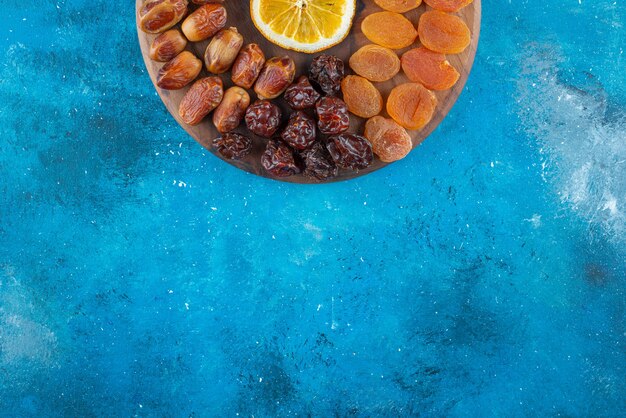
x=303, y=25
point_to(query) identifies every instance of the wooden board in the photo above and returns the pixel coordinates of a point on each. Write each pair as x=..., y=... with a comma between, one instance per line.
x=239, y=16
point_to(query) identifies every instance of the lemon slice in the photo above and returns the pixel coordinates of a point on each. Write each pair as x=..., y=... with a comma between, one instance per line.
x=303, y=25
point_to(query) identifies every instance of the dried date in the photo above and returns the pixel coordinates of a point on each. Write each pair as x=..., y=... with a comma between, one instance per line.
x=248, y=66
x=204, y=22
x=156, y=16
x=179, y=72
x=167, y=45
x=222, y=50
x=231, y=110
x=203, y=96
x=276, y=76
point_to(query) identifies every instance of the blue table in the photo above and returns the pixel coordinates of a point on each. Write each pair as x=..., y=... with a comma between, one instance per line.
x=484, y=275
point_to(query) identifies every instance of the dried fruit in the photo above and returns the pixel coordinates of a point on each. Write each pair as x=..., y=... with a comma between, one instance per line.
x=318, y=163
x=448, y=5
x=443, y=33
x=203, y=96
x=300, y=131
x=390, y=141
x=263, y=118
x=179, y=72
x=247, y=66
x=156, y=16
x=361, y=97
x=278, y=159
x=222, y=50
x=167, y=45
x=375, y=62
x=301, y=95
x=327, y=71
x=350, y=151
x=276, y=76
x=332, y=115
x=233, y=146
x=429, y=68
x=411, y=105
x=205, y=22
x=389, y=29
x=229, y=113
x=398, y=6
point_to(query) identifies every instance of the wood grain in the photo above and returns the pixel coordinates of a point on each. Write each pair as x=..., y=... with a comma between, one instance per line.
x=239, y=17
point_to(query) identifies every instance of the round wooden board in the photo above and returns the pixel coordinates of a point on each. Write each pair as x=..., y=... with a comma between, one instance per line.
x=239, y=16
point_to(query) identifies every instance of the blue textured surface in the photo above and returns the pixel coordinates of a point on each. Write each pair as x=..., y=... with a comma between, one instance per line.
x=483, y=275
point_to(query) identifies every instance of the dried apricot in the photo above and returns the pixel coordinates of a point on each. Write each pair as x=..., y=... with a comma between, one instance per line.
x=444, y=33
x=448, y=5
x=390, y=141
x=411, y=105
x=389, y=29
x=398, y=6
x=362, y=98
x=432, y=69
x=375, y=62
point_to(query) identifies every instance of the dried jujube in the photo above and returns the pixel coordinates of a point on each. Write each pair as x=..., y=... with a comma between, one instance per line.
x=327, y=71
x=263, y=118
x=332, y=115
x=350, y=151
x=301, y=95
x=279, y=160
x=318, y=163
x=300, y=131
x=233, y=146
